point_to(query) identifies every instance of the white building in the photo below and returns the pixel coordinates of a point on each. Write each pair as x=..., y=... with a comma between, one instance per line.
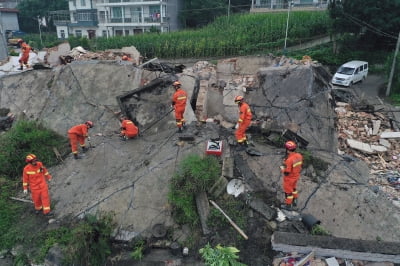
x=105, y=18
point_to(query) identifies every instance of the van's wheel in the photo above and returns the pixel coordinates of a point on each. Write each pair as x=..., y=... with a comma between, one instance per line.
x=351, y=84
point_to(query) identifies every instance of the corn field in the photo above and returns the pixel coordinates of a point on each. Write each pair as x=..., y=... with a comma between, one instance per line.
x=235, y=35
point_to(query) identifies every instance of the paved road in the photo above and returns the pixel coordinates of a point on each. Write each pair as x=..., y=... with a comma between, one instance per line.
x=373, y=88
x=374, y=85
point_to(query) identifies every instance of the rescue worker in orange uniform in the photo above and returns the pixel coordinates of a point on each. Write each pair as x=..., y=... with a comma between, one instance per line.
x=244, y=120
x=126, y=58
x=77, y=134
x=179, y=103
x=128, y=129
x=25, y=49
x=34, y=176
x=291, y=169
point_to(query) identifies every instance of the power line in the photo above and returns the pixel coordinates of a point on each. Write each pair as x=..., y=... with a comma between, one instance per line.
x=370, y=27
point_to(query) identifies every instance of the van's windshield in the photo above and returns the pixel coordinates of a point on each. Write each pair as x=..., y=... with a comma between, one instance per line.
x=345, y=70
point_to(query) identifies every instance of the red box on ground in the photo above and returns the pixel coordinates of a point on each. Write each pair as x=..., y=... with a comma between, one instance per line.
x=214, y=147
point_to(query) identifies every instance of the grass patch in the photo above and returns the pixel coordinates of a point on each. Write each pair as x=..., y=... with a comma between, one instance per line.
x=194, y=174
x=28, y=137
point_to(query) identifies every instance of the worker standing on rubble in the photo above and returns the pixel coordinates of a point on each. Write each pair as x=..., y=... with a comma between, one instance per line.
x=179, y=103
x=34, y=176
x=77, y=134
x=25, y=49
x=243, y=122
x=291, y=169
x=128, y=129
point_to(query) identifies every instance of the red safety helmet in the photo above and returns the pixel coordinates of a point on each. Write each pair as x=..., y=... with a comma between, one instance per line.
x=30, y=158
x=176, y=84
x=89, y=124
x=125, y=58
x=290, y=145
x=239, y=99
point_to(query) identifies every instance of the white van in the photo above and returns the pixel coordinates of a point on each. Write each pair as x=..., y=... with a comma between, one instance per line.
x=350, y=73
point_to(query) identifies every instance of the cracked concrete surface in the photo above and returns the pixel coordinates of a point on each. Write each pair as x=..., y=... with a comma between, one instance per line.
x=131, y=178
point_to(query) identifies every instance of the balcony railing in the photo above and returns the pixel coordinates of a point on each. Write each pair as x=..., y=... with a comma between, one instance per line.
x=133, y=20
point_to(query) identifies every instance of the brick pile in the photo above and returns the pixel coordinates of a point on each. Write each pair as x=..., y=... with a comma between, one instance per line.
x=383, y=158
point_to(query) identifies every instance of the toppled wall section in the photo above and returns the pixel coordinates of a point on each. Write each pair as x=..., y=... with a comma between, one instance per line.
x=345, y=248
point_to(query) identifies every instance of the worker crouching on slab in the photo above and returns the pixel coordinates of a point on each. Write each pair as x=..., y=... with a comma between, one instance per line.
x=128, y=129
x=179, y=103
x=35, y=176
x=291, y=169
x=78, y=134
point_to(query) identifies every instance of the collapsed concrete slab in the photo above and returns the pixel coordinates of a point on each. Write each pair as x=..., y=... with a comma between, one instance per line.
x=345, y=248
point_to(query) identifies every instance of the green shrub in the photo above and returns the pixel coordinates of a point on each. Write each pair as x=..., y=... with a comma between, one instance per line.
x=319, y=230
x=220, y=256
x=90, y=242
x=138, y=249
x=46, y=40
x=28, y=137
x=9, y=210
x=194, y=174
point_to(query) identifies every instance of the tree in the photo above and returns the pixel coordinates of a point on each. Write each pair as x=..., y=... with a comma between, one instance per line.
x=197, y=13
x=31, y=10
x=375, y=23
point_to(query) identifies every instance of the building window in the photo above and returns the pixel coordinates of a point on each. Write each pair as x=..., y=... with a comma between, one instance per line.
x=117, y=12
x=126, y=32
x=104, y=33
x=62, y=33
x=118, y=32
x=78, y=33
x=83, y=2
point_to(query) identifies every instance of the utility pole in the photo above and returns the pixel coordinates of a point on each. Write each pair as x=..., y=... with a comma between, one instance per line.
x=287, y=25
x=393, y=66
x=229, y=8
x=40, y=30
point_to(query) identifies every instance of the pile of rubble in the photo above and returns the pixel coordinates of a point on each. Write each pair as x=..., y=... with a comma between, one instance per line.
x=80, y=54
x=370, y=137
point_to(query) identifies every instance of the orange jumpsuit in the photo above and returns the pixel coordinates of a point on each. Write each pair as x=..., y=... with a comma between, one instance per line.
x=77, y=134
x=179, y=102
x=25, y=53
x=35, y=177
x=292, y=168
x=243, y=121
x=129, y=129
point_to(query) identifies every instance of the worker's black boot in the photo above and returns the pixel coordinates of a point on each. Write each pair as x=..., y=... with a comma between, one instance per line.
x=179, y=130
x=241, y=147
x=76, y=156
x=49, y=214
x=287, y=207
x=294, y=202
x=85, y=149
x=21, y=68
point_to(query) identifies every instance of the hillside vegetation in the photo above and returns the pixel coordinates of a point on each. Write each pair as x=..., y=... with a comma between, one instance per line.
x=226, y=36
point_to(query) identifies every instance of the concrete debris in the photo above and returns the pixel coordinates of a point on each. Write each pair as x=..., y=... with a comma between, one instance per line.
x=369, y=137
x=329, y=246
x=364, y=132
